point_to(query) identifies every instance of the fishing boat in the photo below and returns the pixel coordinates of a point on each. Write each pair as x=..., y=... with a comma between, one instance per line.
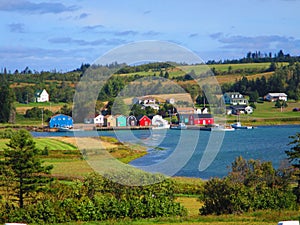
x=225, y=127
x=180, y=126
x=238, y=125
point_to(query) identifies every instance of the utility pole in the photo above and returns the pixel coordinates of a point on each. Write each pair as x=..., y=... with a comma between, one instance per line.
x=42, y=118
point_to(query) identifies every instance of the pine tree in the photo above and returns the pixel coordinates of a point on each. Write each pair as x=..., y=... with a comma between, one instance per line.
x=6, y=100
x=294, y=157
x=27, y=172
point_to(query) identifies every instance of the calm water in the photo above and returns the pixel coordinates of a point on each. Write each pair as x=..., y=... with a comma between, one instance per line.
x=184, y=149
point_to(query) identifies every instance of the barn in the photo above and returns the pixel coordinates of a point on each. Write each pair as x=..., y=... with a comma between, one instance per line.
x=60, y=120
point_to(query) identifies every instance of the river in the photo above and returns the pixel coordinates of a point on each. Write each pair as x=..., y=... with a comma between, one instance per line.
x=179, y=153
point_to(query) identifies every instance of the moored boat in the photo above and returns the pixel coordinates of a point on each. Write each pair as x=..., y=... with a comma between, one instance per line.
x=180, y=126
x=238, y=125
x=68, y=129
x=218, y=127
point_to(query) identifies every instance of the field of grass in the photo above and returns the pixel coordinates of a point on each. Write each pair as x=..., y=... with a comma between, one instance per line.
x=54, y=107
x=41, y=143
x=266, y=114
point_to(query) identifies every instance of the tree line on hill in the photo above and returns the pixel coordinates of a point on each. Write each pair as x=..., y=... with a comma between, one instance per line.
x=259, y=57
x=285, y=79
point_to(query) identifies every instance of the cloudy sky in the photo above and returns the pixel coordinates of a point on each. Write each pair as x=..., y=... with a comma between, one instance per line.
x=61, y=35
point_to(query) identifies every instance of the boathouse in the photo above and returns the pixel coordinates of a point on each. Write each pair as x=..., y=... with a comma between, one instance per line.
x=60, y=120
x=131, y=120
x=196, y=119
x=109, y=121
x=144, y=121
x=121, y=121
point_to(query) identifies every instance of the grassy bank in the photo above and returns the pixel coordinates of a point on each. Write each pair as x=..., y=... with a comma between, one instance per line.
x=253, y=218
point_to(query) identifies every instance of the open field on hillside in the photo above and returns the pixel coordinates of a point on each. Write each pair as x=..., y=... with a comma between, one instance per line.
x=41, y=143
x=266, y=114
x=54, y=107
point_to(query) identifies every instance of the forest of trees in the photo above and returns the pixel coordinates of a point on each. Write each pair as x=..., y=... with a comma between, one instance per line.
x=285, y=79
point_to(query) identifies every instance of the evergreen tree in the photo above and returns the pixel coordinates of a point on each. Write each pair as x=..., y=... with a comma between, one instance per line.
x=27, y=172
x=6, y=100
x=294, y=157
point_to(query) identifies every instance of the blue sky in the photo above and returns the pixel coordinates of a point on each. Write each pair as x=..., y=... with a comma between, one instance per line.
x=61, y=35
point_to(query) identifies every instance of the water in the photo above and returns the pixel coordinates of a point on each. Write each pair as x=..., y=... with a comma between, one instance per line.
x=180, y=152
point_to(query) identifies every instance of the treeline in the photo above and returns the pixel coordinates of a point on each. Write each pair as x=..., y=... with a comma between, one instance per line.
x=259, y=57
x=285, y=79
x=149, y=67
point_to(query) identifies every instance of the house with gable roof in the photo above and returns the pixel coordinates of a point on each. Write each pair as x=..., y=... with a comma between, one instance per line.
x=41, y=96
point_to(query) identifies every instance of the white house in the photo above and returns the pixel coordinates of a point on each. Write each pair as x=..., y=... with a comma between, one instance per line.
x=99, y=120
x=272, y=97
x=41, y=96
x=234, y=98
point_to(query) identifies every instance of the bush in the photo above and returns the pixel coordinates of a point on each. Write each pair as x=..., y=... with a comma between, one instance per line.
x=251, y=185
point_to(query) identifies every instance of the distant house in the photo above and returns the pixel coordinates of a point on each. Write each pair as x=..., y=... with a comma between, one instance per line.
x=60, y=120
x=146, y=101
x=121, y=121
x=41, y=96
x=89, y=119
x=273, y=97
x=239, y=109
x=185, y=110
x=171, y=101
x=99, y=120
x=234, y=98
x=109, y=121
x=144, y=121
x=131, y=121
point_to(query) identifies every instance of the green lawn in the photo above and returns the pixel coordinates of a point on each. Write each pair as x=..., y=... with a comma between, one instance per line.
x=41, y=143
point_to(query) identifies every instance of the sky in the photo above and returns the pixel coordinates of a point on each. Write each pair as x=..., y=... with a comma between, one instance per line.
x=61, y=35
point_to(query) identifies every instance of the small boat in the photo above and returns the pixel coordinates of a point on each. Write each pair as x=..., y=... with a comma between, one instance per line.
x=180, y=126
x=68, y=129
x=218, y=127
x=161, y=126
x=238, y=125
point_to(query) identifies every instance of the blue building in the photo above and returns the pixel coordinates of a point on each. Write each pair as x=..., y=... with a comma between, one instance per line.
x=60, y=120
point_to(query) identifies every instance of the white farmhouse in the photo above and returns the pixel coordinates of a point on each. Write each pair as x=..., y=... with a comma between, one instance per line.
x=234, y=98
x=41, y=96
x=273, y=97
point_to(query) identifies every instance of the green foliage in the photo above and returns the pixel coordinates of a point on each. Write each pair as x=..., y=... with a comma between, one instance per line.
x=294, y=157
x=38, y=113
x=6, y=133
x=6, y=100
x=251, y=185
x=27, y=172
x=96, y=199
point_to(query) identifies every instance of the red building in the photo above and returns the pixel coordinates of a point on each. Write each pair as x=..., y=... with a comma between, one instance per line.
x=144, y=121
x=196, y=119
